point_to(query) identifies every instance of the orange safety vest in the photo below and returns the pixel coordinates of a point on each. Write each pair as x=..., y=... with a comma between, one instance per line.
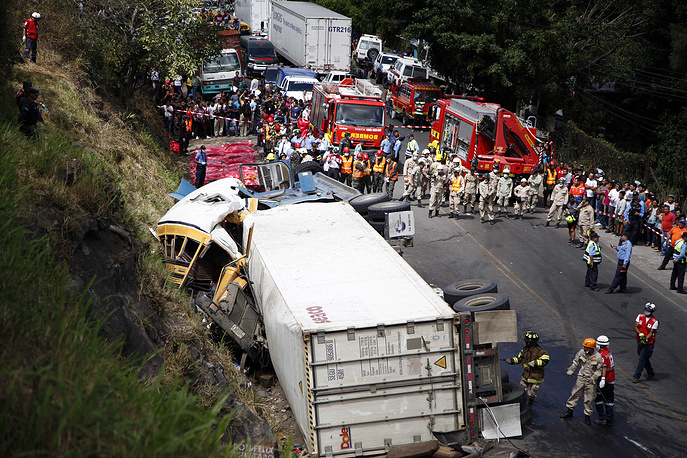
x=392, y=170
x=368, y=169
x=189, y=124
x=357, y=173
x=379, y=166
x=347, y=165
x=579, y=191
x=550, y=176
x=268, y=132
x=456, y=183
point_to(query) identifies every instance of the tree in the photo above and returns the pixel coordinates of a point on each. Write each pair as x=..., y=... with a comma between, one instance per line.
x=124, y=38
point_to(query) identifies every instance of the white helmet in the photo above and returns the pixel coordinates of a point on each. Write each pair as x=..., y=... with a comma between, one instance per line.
x=506, y=170
x=36, y=15
x=425, y=152
x=602, y=341
x=456, y=160
x=415, y=155
x=649, y=308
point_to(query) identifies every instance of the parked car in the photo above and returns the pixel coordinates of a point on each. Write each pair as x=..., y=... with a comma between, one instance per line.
x=405, y=68
x=368, y=46
x=381, y=65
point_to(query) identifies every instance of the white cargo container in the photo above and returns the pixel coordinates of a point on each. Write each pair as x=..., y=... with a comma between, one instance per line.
x=368, y=355
x=255, y=13
x=309, y=35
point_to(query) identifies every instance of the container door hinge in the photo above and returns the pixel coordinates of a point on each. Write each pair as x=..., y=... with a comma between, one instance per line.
x=410, y=327
x=440, y=324
x=320, y=337
x=351, y=333
x=380, y=330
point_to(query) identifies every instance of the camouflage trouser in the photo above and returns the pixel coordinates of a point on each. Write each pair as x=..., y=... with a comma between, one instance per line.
x=390, y=188
x=532, y=202
x=412, y=190
x=469, y=199
x=358, y=184
x=486, y=208
x=377, y=181
x=502, y=203
x=345, y=178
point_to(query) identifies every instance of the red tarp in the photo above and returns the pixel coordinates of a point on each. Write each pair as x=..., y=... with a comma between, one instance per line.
x=224, y=160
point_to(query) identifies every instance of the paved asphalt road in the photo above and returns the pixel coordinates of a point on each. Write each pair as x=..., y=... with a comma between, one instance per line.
x=544, y=279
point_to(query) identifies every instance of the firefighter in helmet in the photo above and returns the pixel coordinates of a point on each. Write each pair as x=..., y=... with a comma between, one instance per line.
x=590, y=362
x=533, y=359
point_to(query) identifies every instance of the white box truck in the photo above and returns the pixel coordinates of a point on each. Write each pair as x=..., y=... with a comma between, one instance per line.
x=309, y=35
x=368, y=355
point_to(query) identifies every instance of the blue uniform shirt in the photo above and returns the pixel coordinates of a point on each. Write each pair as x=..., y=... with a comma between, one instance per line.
x=386, y=146
x=624, y=252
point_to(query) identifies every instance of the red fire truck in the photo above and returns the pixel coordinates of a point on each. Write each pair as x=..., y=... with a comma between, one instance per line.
x=412, y=100
x=358, y=109
x=484, y=133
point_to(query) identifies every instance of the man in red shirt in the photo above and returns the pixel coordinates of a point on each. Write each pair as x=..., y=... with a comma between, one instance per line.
x=605, y=395
x=31, y=36
x=646, y=326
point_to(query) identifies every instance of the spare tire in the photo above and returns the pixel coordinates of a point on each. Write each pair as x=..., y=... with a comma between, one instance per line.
x=361, y=203
x=372, y=54
x=377, y=212
x=466, y=288
x=512, y=394
x=482, y=303
x=309, y=166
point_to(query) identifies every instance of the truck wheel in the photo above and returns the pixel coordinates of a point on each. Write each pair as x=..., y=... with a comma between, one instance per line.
x=362, y=203
x=372, y=54
x=378, y=226
x=309, y=166
x=385, y=82
x=513, y=393
x=505, y=378
x=466, y=288
x=377, y=212
x=482, y=303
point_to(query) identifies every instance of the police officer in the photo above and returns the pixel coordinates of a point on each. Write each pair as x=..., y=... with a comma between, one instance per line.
x=592, y=256
x=624, y=255
x=646, y=325
x=589, y=362
x=533, y=359
x=679, y=265
x=605, y=396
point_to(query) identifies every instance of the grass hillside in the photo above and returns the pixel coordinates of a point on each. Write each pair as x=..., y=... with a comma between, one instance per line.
x=65, y=389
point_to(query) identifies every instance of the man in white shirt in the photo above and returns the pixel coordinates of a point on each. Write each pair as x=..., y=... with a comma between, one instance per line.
x=613, y=196
x=590, y=185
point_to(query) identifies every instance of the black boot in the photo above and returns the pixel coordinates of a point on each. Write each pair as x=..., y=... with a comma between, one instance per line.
x=430, y=211
x=547, y=224
x=530, y=401
x=567, y=414
x=419, y=203
x=436, y=212
x=450, y=215
x=587, y=420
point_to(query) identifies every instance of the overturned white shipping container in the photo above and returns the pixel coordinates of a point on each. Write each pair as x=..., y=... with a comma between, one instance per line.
x=368, y=355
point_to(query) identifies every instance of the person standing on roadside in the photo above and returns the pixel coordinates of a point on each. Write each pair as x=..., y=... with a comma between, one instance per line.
x=585, y=222
x=535, y=181
x=559, y=199
x=533, y=359
x=605, y=396
x=674, y=234
x=486, y=193
x=679, y=265
x=646, y=325
x=590, y=362
x=31, y=36
x=624, y=254
x=592, y=257
x=201, y=160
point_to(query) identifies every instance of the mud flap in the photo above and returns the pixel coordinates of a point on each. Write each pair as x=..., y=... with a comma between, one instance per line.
x=505, y=421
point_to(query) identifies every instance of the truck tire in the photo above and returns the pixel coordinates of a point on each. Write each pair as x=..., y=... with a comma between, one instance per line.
x=310, y=166
x=466, y=288
x=372, y=54
x=512, y=394
x=377, y=225
x=385, y=82
x=505, y=378
x=361, y=203
x=377, y=212
x=482, y=303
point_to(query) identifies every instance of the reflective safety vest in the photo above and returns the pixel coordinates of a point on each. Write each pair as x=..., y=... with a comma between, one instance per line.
x=379, y=165
x=597, y=257
x=645, y=324
x=358, y=173
x=550, y=177
x=368, y=168
x=31, y=29
x=189, y=124
x=347, y=165
x=456, y=183
x=678, y=248
x=392, y=170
